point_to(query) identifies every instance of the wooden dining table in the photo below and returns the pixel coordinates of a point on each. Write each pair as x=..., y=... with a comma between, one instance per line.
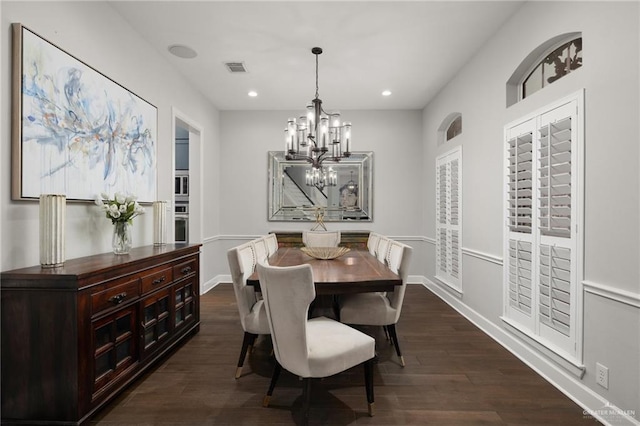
x=357, y=271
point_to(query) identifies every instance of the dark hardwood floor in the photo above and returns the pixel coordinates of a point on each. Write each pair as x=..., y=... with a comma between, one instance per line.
x=455, y=375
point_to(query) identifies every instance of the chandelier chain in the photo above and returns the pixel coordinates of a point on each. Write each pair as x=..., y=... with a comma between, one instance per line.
x=317, y=93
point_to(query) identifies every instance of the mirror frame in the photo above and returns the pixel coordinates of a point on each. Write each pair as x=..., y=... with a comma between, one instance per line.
x=278, y=211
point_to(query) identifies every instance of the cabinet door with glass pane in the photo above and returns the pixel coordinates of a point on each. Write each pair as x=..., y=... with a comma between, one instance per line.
x=156, y=320
x=185, y=301
x=114, y=346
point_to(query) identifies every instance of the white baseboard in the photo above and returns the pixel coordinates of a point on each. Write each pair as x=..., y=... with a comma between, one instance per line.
x=214, y=282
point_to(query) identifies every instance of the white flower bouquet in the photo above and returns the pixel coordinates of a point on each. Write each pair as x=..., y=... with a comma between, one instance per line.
x=120, y=208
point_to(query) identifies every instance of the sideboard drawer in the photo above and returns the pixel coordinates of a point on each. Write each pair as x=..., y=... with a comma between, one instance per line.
x=158, y=278
x=185, y=269
x=114, y=296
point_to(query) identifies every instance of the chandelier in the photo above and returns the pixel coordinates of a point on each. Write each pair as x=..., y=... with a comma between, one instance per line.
x=352, y=186
x=319, y=135
x=321, y=177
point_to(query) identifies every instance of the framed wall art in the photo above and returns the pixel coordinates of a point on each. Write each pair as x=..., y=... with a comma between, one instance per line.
x=75, y=131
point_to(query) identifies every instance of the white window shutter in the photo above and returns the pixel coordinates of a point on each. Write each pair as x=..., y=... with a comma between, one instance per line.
x=449, y=218
x=555, y=178
x=557, y=213
x=555, y=288
x=520, y=273
x=520, y=191
x=543, y=214
x=520, y=178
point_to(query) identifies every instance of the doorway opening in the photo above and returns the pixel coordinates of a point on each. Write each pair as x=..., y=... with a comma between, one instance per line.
x=187, y=180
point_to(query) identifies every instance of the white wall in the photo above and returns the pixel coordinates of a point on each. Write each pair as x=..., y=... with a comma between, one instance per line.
x=612, y=229
x=393, y=136
x=111, y=46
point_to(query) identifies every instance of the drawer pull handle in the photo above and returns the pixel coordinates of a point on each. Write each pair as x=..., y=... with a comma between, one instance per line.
x=159, y=280
x=118, y=298
x=186, y=269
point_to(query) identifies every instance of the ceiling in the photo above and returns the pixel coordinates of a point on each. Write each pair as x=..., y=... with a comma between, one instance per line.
x=412, y=48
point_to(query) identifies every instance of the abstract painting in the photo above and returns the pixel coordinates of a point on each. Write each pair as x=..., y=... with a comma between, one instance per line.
x=75, y=131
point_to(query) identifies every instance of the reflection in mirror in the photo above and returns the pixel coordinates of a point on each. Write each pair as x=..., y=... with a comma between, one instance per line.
x=344, y=193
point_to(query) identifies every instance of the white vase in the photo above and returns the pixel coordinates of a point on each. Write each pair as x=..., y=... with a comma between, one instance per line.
x=52, y=224
x=159, y=223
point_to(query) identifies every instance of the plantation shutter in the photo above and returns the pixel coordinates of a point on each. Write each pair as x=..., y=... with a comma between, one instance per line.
x=521, y=199
x=555, y=178
x=555, y=288
x=449, y=218
x=557, y=239
x=521, y=182
x=520, y=273
x=543, y=209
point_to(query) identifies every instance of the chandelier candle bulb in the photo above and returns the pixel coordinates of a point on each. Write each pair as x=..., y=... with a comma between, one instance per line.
x=287, y=147
x=159, y=223
x=310, y=121
x=336, y=149
x=347, y=137
x=302, y=130
x=335, y=129
x=324, y=130
x=291, y=133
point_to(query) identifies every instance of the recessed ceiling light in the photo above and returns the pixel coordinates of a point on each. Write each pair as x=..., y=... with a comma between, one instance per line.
x=386, y=93
x=252, y=93
x=182, y=51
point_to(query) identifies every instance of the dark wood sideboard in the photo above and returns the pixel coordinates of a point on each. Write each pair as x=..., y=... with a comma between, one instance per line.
x=352, y=239
x=74, y=337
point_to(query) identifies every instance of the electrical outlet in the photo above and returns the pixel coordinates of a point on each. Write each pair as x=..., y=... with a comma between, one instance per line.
x=602, y=375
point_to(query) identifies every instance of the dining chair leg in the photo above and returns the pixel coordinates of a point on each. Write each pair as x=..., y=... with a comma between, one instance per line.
x=306, y=397
x=336, y=307
x=386, y=334
x=368, y=384
x=274, y=378
x=247, y=342
x=394, y=339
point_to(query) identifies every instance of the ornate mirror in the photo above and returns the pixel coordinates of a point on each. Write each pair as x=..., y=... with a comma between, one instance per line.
x=341, y=192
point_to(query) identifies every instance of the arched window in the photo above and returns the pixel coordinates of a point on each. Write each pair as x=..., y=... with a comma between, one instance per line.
x=546, y=64
x=450, y=127
x=455, y=128
x=560, y=62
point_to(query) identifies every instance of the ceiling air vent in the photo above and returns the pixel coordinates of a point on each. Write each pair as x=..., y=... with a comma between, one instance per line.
x=235, y=67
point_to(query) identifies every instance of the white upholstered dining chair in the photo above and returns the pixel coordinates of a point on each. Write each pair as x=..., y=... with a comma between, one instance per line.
x=260, y=250
x=372, y=243
x=383, y=249
x=272, y=243
x=252, y=312
x=381, y=309
x=321, y=238
x=309, y=348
